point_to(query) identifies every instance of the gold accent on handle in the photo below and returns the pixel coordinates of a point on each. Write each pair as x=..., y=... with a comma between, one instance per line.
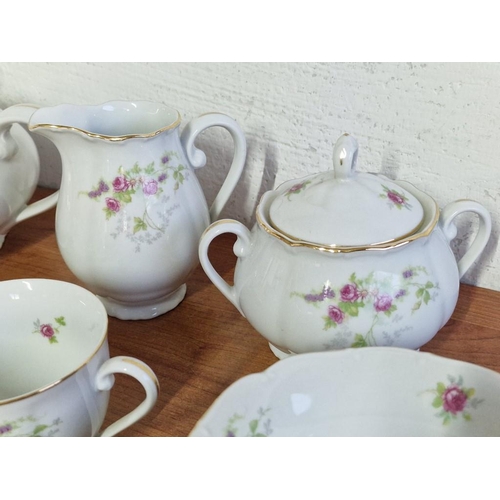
x=145, y=369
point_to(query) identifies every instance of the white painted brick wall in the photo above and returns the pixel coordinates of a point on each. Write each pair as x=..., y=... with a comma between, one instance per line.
x=436, y=125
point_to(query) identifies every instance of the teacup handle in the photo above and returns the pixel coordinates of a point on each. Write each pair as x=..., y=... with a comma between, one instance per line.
x=138, y=370
x=198, y=159
x=450, y=230
x=8, y=148
x=240, y=249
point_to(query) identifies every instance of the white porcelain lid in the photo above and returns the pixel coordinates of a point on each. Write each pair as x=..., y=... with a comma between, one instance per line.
x=343, y=207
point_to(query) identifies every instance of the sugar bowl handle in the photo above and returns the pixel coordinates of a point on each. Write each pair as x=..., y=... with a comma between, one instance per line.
x=240, y=249
x=449, y=229
x=198, y=159
x=138, y=370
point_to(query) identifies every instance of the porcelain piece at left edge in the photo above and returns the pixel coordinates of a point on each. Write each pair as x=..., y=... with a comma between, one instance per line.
x=305, y=296
x=19, y=173
x=131, y=210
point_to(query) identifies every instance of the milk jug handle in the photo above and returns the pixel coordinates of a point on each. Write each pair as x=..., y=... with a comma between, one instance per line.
x=198, y=159
x=8, y=148
x=449, y=229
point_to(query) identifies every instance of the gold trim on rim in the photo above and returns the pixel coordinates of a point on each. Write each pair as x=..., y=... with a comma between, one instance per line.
x=347, y=249
x=112, y=138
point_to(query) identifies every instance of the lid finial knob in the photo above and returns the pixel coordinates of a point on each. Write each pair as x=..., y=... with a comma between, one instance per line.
x=345, y=154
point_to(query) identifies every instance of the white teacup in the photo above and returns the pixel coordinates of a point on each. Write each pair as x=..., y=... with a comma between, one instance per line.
x=55, y=370
x=19, y=174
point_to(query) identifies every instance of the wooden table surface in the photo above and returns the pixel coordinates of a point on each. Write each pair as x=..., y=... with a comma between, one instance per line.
x=204, y=345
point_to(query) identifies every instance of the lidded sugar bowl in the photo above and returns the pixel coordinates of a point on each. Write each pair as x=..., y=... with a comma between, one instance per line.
x=346, y=259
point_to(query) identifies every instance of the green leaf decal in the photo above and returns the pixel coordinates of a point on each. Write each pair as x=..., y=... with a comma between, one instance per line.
x=124, y=197
x=253, y=425
x=351, y=308
x=359, y=341
x=440, y=388
x=139, y=225
x=438, y=402
x=39, y=428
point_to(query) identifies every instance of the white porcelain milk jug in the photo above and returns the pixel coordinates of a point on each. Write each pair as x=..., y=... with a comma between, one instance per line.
x=130, y=210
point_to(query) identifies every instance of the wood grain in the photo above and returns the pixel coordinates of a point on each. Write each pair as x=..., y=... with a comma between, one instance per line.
x=204, y=345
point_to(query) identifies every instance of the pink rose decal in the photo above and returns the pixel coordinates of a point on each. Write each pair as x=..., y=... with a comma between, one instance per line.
x=335, y=314
x=398, y=200
x=120, y=184
x=395, y=198
x=149, y=187
x=349, y=293
x=454, y=399
x=113, y=204
x=297, y=188
x=47, y=331
x=383, y=303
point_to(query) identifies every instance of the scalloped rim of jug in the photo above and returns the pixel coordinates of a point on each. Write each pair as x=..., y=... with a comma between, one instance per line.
x=113, y=138
x=430, y=220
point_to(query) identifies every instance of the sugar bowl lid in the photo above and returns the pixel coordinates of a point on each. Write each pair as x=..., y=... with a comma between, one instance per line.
x=345, y=208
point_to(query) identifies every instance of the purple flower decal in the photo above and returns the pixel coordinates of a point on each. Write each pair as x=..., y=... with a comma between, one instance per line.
x=94, y=194
x=327, y=293
x=401, y=293
x=407, y=274
x=113, y=204
x=162, y=177
x=335, y=314
x=121, y=184
x=5, y=428
x=47, y=331
x=349, y=293
x=150, y=187
x=103, y=187
x=383, y=303
x=165, y=159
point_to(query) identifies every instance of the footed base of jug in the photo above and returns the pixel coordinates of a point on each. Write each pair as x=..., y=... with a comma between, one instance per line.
x=143, y=310
x=279, y=353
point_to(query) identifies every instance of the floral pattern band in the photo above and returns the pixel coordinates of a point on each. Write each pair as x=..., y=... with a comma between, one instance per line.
x=376, y=295
x=146, y=184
